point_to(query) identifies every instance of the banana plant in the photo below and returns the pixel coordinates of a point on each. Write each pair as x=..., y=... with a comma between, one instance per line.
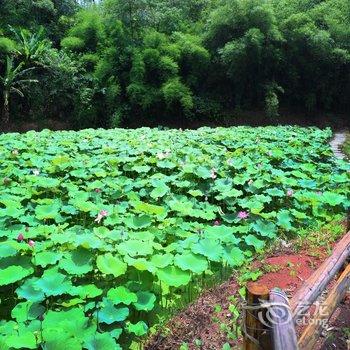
x=30, y=46
x=13, y=81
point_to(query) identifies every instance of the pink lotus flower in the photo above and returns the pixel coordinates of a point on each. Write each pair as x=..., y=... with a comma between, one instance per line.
x=243, y=215
x=217, y=223
x=31, y=243
x=290, y=193
x=213, y=174
x=20, y=237
x=97, y=190
x=102, y=214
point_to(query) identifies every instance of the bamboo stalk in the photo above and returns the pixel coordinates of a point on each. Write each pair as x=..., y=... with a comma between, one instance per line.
x=314, y=329
x=313, y=287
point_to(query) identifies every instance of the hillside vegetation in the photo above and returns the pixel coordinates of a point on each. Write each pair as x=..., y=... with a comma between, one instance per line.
x=136, y=62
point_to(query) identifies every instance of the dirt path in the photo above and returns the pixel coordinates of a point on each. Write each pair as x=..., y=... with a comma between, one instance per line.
x=336, y=143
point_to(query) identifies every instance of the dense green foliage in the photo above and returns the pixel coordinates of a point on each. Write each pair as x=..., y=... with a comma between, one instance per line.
x=130, y=62
x=102, y=231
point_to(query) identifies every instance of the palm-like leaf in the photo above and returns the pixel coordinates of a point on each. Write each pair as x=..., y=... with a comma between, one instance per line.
x=31, y=46
x=17, y=91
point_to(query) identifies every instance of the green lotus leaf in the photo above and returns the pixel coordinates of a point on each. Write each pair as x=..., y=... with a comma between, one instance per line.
x=136, y=222
x=275, y=192
x=166, y=164
x=13, y=274
x=141, y=168
x=77, y=262
x=111, y=265
x=46, y=258
x=266, y=229
x=69, y=325
x=332, y=198
x=222, y=232
x=21, y=339
x=87, y=291
x=140, y=264
x=234, y=257
x=230, y=218
x=7, y=249
x=192, y=262
x=53, y=283
x=145, y=301
x=116, y=333
x=12, y=212
x=45, y=182
x=162, y=260
x=147, y=208
x=88, y=241
x=255, y=242
x=27, y=311
x=160, y=190
x=48, y=211
x=299, y=214
x=202, y=172
x=284, y=219
x=174, y=276
x=230, y=193
x=121, y=295
x=135, y=248
x=101, y=341
x=72, y=302
x=84, y=206
x=139, y=329
x=57, y=338
x=209, y=248
x=196, y=193
x=29, y=292
x=109, y=313
x=254, y=206
x=61, y=160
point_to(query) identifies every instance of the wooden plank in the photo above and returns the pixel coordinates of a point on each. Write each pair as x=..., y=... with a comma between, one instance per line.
x=318, y=281
x=283, y=329
x=336, y=295
x=254, y=331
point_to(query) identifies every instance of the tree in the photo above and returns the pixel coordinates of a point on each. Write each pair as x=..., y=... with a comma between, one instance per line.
x=12, y=82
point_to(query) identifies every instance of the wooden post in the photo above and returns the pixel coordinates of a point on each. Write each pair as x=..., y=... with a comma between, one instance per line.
x=338, y=292
x=283, y=331
x=254, y=332
x=313, y=287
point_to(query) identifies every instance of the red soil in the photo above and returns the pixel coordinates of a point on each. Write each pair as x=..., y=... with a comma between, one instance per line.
x=288, y=271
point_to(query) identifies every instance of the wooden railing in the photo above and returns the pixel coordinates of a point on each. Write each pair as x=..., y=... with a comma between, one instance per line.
x=270, y=318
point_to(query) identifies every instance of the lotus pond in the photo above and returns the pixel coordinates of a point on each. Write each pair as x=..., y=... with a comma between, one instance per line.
x=103, y=230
